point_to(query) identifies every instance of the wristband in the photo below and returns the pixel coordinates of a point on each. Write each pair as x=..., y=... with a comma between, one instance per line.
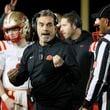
x=4, y=97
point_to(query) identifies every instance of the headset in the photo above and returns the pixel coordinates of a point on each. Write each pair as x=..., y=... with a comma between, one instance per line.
x=34, y=27
x=34, y=22
x=77, y=19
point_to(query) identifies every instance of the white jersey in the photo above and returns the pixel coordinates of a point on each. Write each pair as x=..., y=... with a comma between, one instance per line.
x=10, y=56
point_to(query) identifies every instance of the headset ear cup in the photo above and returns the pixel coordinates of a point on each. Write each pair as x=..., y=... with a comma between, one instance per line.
x=55, y=19
x=34, y=27
x=77, y=19
x=79, y=22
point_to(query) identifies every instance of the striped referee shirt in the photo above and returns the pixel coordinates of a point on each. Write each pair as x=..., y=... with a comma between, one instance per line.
x=100, y=79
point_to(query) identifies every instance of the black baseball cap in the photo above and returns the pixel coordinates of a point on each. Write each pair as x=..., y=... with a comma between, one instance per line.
x=103, y=13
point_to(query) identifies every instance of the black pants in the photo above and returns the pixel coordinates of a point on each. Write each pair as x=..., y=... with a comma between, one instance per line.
x=42, y=107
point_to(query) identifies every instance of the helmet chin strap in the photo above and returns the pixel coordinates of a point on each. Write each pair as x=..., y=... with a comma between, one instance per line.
x=16, y=40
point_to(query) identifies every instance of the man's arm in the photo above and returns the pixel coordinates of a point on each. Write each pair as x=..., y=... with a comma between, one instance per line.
x=9, y=102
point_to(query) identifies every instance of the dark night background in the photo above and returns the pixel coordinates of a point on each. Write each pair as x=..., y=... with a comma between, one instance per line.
x=30, y=7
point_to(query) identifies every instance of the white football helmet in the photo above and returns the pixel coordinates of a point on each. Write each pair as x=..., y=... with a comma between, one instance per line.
x=17, y=20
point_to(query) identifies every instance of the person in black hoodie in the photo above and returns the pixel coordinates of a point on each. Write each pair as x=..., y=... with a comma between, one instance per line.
x=50, y=64
x=80, y=40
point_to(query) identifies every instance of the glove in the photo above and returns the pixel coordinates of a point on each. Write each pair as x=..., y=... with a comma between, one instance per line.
x=82, y=108
x=12, y=74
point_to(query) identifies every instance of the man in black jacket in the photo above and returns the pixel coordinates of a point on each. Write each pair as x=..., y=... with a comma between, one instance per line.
x=50, y=64
x=80, y=40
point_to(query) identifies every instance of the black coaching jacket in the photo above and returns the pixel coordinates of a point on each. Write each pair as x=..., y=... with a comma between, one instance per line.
x=49, y=83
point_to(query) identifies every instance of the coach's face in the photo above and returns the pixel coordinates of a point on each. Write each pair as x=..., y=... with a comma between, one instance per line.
x=46, y=29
